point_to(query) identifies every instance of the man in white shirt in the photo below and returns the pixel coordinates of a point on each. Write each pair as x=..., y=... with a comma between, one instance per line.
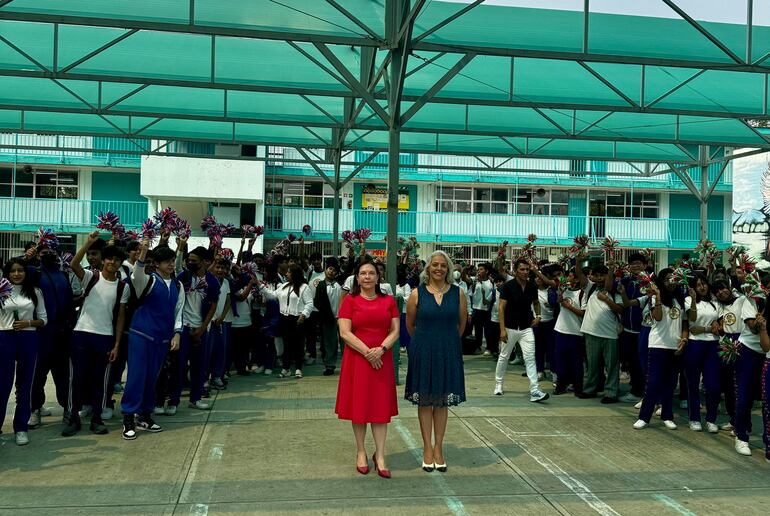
x=96, y=339
x=327, y=304
x=482, y=297
x=600, y=327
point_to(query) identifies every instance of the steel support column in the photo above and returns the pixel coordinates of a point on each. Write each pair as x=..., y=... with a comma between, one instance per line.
x=337, y=204
x=704, y=185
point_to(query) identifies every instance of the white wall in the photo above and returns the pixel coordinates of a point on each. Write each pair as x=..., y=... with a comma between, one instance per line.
x=196, y=178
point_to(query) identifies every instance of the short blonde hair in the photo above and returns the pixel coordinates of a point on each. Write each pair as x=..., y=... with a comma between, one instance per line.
x=425, y=277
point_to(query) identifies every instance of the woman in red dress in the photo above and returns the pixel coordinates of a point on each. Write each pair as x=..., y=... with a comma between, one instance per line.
x=369, y=324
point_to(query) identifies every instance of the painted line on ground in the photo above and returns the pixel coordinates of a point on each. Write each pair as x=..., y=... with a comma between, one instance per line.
x=572, y=483
x=452, y=502
x=673, y=504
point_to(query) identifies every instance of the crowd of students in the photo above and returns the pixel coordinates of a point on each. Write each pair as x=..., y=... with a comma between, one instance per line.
x=167, y=319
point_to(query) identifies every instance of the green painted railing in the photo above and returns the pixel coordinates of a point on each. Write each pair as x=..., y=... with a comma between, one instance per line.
x=490, y=228
x=72, y=215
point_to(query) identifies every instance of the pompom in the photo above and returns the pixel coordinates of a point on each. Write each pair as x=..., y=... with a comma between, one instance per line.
x=306, y=229
x=166, y=219
x=6, y=289
x=149, y=230
x=47, y=238
x=208, y=222
x=107, y=220
x=132, y=235
x=291, y=237
x=119, y=232
x=65, y=260
x=248, y=229
x=199, y=286
x=729, y=349
x=226, y=229
x=363, y=234
x=250, y=269
x=259, y=231
x=531, y=237
x=579, y=244
x=226, y=254
x=182, y=228
x=609, y=246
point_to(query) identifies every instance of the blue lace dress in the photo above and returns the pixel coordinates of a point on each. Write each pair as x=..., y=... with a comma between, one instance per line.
x=435, y=377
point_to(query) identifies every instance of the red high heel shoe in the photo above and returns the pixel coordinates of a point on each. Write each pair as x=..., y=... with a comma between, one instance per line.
x=364, y=470
x=384, y=473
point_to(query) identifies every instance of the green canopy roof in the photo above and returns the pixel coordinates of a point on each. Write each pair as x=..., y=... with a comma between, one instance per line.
x=475, y=78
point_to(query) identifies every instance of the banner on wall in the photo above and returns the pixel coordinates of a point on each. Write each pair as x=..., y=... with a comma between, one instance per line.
x=751, y=205
x=374, y=198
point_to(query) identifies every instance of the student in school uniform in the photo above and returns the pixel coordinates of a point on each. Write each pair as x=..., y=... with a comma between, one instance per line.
x=243, y=329
x=748, y=372
x=731, y=325
x=53, y=338
x=494, y=312
x=569, y=338
x=96, y=339
x=764, y=342
x=600, y=328
x=632, y=324
x=327, y=304
x=668, y=338
x=296, y=304
x=155, y=329
x=218, y=329
x=482, y=292
x=701, y=354
x=201, y=296
x=315, y=275
x=20, y=317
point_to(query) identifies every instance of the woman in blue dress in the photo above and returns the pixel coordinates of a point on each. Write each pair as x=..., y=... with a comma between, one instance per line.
x=435, y=317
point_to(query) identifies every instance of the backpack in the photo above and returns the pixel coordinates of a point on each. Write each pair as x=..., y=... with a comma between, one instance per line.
x=90, y=286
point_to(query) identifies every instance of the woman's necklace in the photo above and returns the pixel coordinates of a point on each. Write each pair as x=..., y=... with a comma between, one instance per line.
x=439, y=293
x=372, y=298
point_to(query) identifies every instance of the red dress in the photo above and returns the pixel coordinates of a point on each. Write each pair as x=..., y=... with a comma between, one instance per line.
x=365, y=394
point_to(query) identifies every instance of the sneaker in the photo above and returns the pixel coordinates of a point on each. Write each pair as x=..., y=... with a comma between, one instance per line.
x=310, y=361
x=726, y=426
x=45, y=411
x=712, y=428
x=146, y=423
x=298, y=373
x=98, y=427
x=129, y=427
x=695, y=426
x=538, y=396
x=217, y=384
x=498, y=389
x=742, y=447
x=159, y=411
x=638, y=405
x=669, y=424
x=683, y=404
x=285, y=373
x=72, y=427
x=117, y=388
x=35, y=419
x=259, y=370
x=22, y=438
x=65, y=417
x=487, y=353
x=86, y=411
x=659, y=411
x=268, y=372
x=328, y=371
x=199, y=405
x=630, y=398
x=607, y=400
x=170, y=410
x=107, y=413
x=640, y=423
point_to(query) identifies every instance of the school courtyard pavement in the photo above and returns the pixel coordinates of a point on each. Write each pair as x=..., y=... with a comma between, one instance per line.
x=273, y=446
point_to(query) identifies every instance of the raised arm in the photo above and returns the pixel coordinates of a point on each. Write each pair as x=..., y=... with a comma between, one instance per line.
x=76, y=267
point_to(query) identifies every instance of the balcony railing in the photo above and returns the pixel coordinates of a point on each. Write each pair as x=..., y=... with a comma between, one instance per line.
x=491, y=228
x=72, y=215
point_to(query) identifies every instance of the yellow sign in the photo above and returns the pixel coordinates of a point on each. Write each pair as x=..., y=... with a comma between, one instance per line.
x=377, y=199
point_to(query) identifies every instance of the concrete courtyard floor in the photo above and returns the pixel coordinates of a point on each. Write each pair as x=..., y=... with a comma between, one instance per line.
x=272, y=446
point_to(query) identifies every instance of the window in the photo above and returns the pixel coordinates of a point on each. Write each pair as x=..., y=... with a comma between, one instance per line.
x=541, y=201
x=298, y=193
x=632, y=204
x=490, y=200
x=454, y=199
x=39, y=183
